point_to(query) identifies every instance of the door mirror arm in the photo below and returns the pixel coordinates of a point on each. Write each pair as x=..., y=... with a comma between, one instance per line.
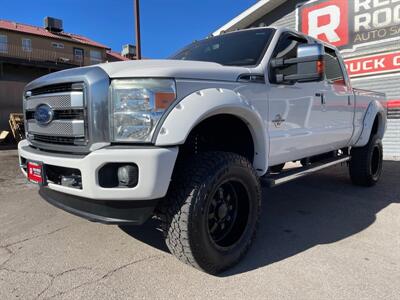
x=279, y=62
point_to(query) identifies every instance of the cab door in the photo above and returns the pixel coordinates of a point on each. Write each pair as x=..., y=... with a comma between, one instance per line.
x=337, y=102
x=295, y=117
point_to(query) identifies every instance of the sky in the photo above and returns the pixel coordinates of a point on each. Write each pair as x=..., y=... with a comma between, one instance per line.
x=166, y=25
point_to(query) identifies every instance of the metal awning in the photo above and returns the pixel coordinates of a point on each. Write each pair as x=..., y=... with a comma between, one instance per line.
x=249, y=16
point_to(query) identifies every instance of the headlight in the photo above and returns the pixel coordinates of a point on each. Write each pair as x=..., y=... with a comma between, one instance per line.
x=137, y=106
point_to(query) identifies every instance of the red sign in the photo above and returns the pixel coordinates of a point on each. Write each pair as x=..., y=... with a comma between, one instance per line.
x=374, y=64
x=393, y=104
x=35, y=172
x=350, y=23
x=326, y=21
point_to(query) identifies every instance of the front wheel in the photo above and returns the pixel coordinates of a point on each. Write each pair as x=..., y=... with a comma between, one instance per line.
x=212, y=210
x=366, y=163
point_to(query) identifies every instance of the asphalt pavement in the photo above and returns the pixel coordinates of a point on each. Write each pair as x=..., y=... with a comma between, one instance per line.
x=319, y=238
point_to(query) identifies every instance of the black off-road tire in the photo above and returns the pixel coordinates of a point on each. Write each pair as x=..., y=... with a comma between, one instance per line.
x=185, y=213
x=366, y=163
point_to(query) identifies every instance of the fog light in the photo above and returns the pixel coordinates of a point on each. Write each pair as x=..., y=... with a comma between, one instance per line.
x=127, y=176
x=118, y=175
x=73, y=181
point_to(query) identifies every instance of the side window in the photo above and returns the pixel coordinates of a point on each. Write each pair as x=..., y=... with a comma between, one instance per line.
x=287, y=48
x=95, y=57
x=3, y=44
x=78, y=55
x=26, y=45
x=57, y=45
x=333, y=70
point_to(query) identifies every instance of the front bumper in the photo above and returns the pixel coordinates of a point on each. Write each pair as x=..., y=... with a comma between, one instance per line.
x=119, y=212
x=155, y=169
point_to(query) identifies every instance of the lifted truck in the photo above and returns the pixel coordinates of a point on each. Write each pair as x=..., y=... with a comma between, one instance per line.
x=190, y=138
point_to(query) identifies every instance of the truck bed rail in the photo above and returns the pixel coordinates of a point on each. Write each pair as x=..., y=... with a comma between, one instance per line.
x=363, y=92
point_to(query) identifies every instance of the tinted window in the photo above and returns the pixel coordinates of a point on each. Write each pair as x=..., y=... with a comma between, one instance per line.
x=243, y=48
x=333, y=71
x=286, y=49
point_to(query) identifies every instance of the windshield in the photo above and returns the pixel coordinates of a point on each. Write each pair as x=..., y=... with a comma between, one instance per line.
x=242, y=48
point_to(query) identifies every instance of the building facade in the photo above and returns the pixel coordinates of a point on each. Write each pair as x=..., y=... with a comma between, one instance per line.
x=367, y=32
x=28, y=52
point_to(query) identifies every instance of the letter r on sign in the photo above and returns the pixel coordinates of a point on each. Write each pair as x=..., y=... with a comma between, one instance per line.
x=326, y=20
x=317, y=27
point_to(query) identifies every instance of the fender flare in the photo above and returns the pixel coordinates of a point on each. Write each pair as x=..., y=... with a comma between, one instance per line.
x=375, y=108
x=198, y=106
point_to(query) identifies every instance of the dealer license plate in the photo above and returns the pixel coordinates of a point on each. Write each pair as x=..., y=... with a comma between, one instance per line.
x=35, y=172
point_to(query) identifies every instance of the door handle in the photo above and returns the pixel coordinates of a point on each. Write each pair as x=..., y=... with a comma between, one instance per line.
x=322, y=97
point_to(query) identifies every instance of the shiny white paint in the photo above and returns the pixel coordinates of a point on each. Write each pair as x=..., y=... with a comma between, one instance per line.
x=302, y=133
x=210, y=102
x=375, y=108
x=206, y=89
x=310, y=127
x=338, y=113
x=151, y=162
x=173, y=69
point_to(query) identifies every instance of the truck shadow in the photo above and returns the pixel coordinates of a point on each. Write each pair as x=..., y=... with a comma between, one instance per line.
x=320, y=209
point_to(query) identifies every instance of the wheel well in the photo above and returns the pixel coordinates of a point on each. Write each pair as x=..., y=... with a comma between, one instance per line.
x=374, y=129
x=377, y=126
x=222, y=132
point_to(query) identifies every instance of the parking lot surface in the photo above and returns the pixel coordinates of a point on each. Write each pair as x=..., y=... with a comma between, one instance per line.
x=319, y=238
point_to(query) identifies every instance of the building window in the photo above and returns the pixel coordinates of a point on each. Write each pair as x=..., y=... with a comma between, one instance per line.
x=78, y=54
x=95, y=57
x=57, y=45
x=26, y=45
x=3, y=44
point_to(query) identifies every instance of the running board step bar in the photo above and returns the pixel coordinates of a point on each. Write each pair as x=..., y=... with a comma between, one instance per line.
x=272, y=180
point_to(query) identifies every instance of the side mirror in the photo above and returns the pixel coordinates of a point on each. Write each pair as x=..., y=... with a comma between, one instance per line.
x=309, y=61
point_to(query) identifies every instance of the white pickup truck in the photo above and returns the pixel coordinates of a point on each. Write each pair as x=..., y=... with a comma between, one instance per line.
x=189, y=139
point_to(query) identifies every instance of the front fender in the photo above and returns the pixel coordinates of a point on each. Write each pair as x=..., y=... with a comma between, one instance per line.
x=375, y=108
x=203, y=104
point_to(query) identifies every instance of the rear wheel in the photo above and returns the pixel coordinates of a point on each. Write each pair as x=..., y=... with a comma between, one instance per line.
x=366, y=163
x=212, y=210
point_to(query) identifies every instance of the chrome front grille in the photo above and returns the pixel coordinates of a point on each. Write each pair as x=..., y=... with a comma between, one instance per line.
x=56, y=88
x=68, y=128
x=78, y=98
x=62, y=114
x=57, y=101
x=57, y=140
x=69, y=123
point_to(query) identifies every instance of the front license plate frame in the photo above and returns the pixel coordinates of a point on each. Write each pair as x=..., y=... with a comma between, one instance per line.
x=35, y=172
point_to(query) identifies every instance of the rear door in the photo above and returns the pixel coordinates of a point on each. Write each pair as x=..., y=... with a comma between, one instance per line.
x=337, y=102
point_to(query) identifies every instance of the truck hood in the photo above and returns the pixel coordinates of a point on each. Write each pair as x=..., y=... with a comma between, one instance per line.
x=173, y=69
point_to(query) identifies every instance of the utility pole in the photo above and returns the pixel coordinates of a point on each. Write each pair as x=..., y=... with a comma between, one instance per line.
x=137, y=29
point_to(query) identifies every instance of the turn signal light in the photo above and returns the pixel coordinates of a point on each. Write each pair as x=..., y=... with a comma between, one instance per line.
x=320, y=66
x=164, y=100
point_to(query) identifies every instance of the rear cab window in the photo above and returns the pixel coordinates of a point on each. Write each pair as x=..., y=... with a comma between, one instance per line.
x=333, y=70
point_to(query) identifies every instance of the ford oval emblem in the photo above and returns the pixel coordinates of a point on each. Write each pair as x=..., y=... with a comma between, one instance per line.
x=44, y=114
